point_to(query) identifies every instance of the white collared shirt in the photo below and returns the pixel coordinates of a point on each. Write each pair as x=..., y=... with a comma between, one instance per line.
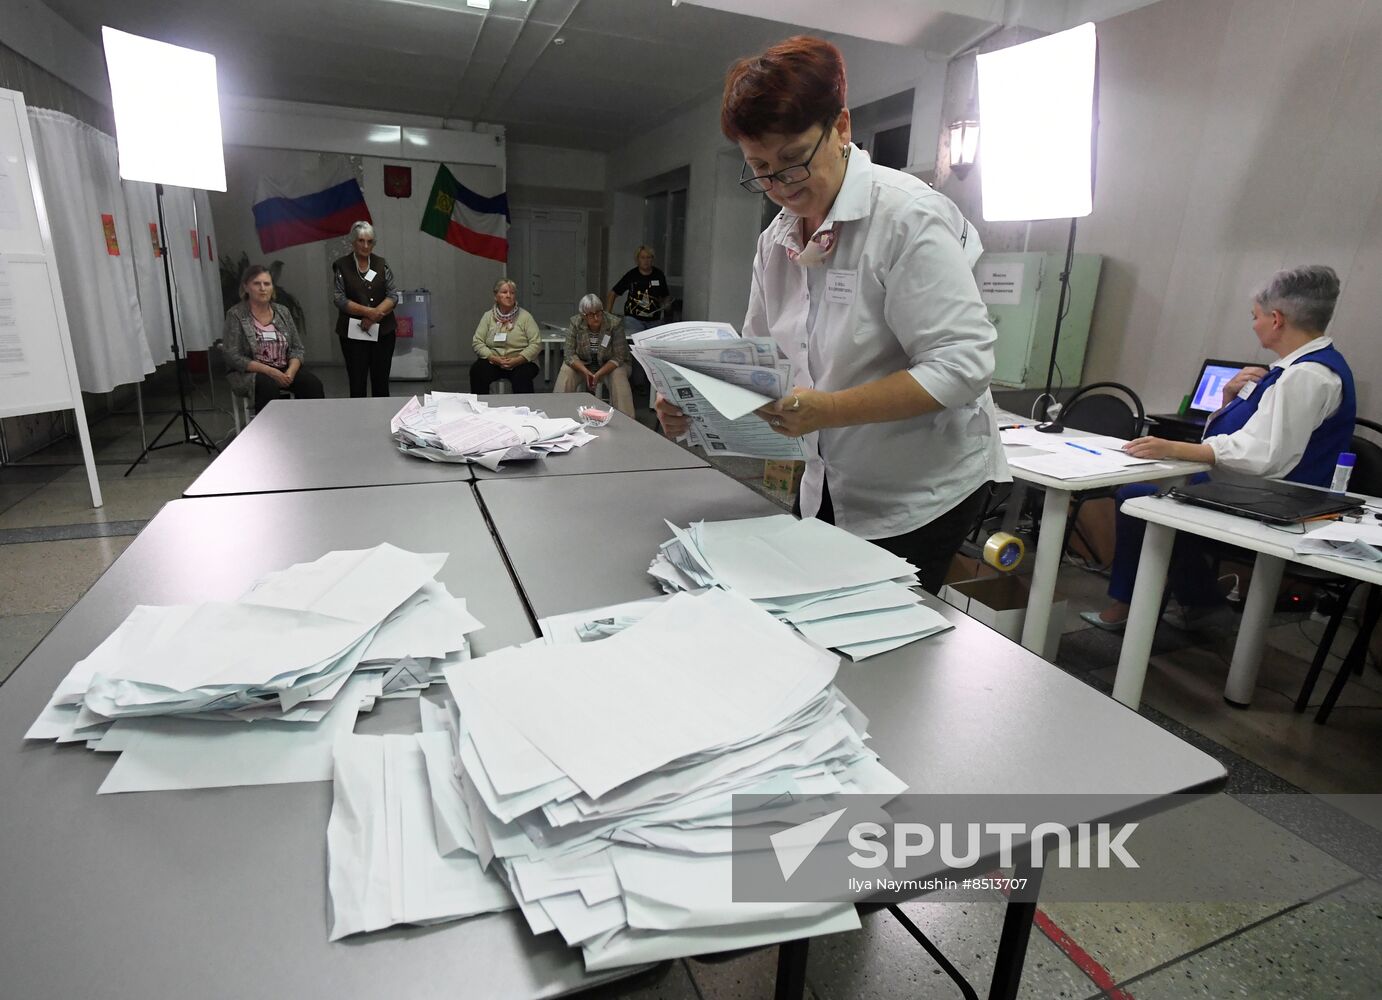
x=897, y=292
x=1273, y=441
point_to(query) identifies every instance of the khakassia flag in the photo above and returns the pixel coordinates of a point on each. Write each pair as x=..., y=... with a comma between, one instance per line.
x=476, y=224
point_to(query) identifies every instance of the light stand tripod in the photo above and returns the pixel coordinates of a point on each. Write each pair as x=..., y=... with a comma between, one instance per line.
x=1055, y=426
x=192, y=432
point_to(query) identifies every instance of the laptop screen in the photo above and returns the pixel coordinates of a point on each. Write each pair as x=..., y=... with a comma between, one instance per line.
x=1208, y=392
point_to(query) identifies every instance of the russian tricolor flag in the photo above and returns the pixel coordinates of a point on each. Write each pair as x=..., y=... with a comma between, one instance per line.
x=472, y=222
x=310, y=208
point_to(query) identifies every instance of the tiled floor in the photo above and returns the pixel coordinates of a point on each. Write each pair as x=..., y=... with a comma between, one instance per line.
x=1312, y=935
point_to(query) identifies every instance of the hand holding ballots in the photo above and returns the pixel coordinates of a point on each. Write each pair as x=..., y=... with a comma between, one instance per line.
x=459, y=427
x=718, y=378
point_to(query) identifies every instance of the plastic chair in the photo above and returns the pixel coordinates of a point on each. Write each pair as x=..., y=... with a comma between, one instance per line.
x=1366, y=478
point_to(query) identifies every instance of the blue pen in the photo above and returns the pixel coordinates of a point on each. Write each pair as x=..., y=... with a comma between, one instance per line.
x=1083, y=448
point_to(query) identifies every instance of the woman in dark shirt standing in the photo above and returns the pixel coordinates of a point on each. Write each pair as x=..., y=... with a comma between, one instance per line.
x=646, y=290
x=365, y=290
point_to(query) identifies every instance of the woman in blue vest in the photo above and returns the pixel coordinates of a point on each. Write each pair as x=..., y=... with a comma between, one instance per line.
x=1290, y=421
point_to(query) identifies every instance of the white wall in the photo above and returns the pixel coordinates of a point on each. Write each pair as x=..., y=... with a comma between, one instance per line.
x=1237, y=137
x=550, y=167
x=38, y=34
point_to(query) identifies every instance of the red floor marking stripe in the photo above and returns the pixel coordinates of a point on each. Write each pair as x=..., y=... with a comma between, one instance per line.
x=1083, y=960
x=1086, y=962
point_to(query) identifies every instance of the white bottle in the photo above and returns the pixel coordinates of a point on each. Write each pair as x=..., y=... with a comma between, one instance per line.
x=1342, y=471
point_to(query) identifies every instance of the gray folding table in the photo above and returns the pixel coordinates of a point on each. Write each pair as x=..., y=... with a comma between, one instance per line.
x=221, y=893
x=320, y=444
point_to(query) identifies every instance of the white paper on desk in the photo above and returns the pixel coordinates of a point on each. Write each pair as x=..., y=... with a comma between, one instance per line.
x=883, y=597
x=430, y=624
x=577, y=921
x=362, y=585
x=164, y=753
x=1076, y=464
x=1355, y=541
x=874, y=625
x=449, y=813
x=674, y=684
x=354, y=331
x=633, y=947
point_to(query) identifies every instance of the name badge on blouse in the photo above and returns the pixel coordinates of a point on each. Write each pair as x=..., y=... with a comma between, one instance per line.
x=268, y=334
x=604, y=341
x=501, y=337
x=369, y=275
x=1247, y=390
x=840, y=286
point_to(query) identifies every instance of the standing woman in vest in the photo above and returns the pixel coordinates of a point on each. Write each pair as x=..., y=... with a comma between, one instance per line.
x=1290, y=421
x=365, y=290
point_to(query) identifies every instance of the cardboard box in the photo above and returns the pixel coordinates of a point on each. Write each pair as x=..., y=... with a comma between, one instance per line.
x=782, y=476
x=1000, y=602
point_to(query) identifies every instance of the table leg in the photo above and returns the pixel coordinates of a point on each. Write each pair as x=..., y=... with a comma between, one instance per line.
x=1017, y=931
x=1054, y=510
x=1252, y=630
x=1143, y=614
x=791, y=970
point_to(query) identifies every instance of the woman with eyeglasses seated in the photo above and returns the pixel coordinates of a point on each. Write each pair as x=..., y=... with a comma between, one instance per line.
x=596, y=351
x=864, y=281
x=507, y=342
x=1290, y=421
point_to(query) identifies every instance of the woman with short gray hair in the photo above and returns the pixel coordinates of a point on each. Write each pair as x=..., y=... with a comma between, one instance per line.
x=365, y=291
x=1290, y=421
x=597, y=351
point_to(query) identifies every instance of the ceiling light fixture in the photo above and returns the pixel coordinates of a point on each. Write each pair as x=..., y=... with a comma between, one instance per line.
x=481, y=4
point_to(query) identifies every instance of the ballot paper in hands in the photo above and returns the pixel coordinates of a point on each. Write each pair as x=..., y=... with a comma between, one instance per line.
x=718, y=379
x=255, y=690
x=460, y=427
x=839, y=591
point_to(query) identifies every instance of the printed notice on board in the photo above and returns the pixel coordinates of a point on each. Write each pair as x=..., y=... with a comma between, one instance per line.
x=12, y=361
x=9, y=199
x=1000, y=282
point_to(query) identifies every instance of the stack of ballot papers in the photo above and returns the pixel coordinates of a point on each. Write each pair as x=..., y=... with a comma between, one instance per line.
x=840, y=591
x=1359, y=541
x=256, y=690
x=596, y=780
x=1066, y=456
x=459, y=427
x=718, y=379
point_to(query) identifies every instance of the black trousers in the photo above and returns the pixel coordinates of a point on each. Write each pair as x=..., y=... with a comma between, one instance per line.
x=368, y=359
x=305, y=386
x=930, y=547
x=483, y=374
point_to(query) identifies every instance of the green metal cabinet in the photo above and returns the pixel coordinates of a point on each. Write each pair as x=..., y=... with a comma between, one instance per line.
x=1022, y=291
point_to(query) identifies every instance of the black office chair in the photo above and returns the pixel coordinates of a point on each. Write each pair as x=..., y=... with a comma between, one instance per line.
x=1109, y=408
x=1366, y=478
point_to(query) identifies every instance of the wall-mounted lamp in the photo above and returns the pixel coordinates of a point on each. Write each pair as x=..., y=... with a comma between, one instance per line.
x=964, y=146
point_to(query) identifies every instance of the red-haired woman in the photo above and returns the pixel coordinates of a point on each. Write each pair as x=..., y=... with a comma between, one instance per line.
x=864, y=281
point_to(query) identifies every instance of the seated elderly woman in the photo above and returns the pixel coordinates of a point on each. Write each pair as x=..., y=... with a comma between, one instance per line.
x=1290, y=422
x=261, y=345
x=506, y=342
x=596, y=351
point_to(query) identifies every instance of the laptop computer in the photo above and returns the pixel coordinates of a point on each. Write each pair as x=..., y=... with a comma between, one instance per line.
x=1270, y=500
x=1205, y=398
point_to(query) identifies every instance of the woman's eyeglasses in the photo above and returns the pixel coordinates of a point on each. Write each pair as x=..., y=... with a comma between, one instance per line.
x=787, y=175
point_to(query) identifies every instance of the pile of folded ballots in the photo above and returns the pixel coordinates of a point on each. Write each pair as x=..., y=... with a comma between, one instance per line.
x=590, y=785
x=460, y=427
x=256, y=689
x=840, y=591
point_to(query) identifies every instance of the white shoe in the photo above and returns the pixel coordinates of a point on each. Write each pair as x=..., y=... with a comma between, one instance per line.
x=1093, y=618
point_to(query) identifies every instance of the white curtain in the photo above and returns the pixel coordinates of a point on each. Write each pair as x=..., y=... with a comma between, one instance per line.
x=141, y=205
x=199, y=314
x=81, y=186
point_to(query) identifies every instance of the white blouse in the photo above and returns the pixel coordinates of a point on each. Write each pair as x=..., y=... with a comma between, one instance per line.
x=1273, y=441
x=896, y=292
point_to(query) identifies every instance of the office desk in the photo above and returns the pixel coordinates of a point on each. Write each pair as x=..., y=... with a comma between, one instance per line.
x=320, y=444
x=622, y=445
x=221, y=893
x=615, y=524
x=1054, y=511
x=1273, y=546
x=933, y=706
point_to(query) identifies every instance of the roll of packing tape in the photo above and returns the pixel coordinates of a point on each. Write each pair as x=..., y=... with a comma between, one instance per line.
x=1003, y=551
